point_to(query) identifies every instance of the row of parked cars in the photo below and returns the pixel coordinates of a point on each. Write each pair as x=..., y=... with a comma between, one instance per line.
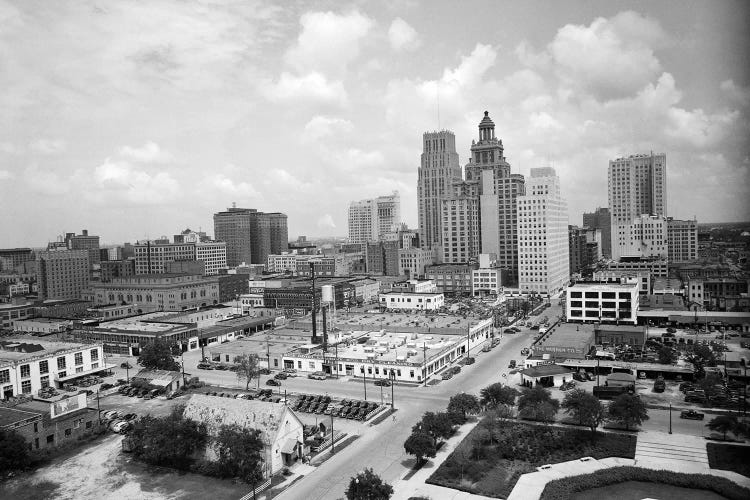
x=729, y=396
x=139, y=392
x=118, y=422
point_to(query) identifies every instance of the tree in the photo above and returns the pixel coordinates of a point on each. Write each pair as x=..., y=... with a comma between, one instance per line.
x=711, y=385
x=421, y=445
x=14, y=452
x=169, y=441
x=701, y=357
x=247, y=367
x=666, y=355
x=157, y=355
x=437, y=425
x=464, y=404
x=584, y=407
x=724, y=424
x=498, y=394
x=240, y=453
x=536, y=403
x=628, y=409
x=368, y=486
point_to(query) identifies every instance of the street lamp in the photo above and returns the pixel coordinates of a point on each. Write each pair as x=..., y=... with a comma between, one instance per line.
x=364, y=380
x=670, y=418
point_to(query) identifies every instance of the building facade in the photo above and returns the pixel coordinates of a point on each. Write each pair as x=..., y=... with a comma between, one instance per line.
x=111, y=269
x=439, y=168
x=543, y=264
x=644, y=237
x=370, y=220
x=602, y=302
x=165, y=292
x=382, y=258
x=213, y=254
x=151, y=257
x=412, y=301
x=12, y=257
x=452, y=280
x=499, y=190
x=600, y=219
x=414, y=261
x=62, y=273
x=84, y=241
x=251, y=235
x=682, y=240
x=584, y=247
x=460, y=223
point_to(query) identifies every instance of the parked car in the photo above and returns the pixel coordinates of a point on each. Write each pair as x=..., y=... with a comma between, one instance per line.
x=567, y=385
x=671, y=330
x=487, y=348
x=525, y=351
x=205, y=366
x=512, y=363
x=272, y=381
x=121, y=427
x=110, y=414
x=290, y=372
x=383, y=382
x=281, y=376
x=318, y=376
x=129, y=416
x=509, y=331
x=579, y=377
x=470, y=360
x=692, y=415
x=447, y=375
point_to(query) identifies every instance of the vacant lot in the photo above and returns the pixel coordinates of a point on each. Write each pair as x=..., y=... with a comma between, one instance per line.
x=101, y=471
x=494, y=454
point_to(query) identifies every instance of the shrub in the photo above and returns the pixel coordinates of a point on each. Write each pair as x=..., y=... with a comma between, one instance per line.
x=563, y=489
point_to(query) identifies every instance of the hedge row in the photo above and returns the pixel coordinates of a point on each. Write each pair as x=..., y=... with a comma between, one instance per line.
x=563, y=489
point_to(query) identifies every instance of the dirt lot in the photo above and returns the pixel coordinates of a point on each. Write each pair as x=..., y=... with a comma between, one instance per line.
x=101, y=471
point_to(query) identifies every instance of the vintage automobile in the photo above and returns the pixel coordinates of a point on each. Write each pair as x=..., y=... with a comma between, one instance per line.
x=692, y=415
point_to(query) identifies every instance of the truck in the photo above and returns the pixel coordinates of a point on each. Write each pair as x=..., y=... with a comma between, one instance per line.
x=659, y=385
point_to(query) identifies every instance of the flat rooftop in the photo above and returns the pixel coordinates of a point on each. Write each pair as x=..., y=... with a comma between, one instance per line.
x=21, y=348
x=593, y=284
x=138, y=324
x=569, y=335
x=393, y=320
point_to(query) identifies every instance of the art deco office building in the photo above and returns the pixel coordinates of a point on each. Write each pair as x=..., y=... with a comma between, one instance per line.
x=251, y=236
x=62, y=273
x=682, y=240
x=460, y=224
x=543, y=234
x=498, y=193
x=438, y=170
x=370, y=220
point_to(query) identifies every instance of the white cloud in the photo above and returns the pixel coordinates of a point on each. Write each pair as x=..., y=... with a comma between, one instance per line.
x=313, y=87
x=8, y=148
x=402, y=36
x=472, y=67
x=5, y=175
x=324, y=126
x=610, y=58
x=227, y=186
x=48, y=146
x=328, y=42
x=119, y=181
x=530, y=57
x=326, y=222
x=148, y=153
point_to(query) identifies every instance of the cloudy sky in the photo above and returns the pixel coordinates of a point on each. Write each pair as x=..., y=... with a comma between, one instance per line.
x=135, y=119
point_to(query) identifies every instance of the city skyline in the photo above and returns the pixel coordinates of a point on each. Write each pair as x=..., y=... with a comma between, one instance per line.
x=156, y=116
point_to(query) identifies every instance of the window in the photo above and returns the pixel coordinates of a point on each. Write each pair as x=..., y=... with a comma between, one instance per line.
x=4, y=376
x=88, y=424
x=50, y=439
x=79, y=358
x=44, y=366
x=311, y=365
x=44, y=380
x=25, y=371
x=68, y=432
x=94, y=354
x=79, y=369
x=94, y=365
x=299, y=364
x=62, y=374
x=36, y=427
x=26, y=387
x=61, y=363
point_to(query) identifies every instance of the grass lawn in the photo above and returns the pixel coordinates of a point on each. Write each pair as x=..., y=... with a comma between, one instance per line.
x=491, y=458
x=729, y=457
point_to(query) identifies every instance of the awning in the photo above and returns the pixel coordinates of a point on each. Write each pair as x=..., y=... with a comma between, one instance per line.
x=83, y=374
x=289, y=446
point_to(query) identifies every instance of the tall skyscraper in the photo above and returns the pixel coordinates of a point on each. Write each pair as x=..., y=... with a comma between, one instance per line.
x=543, y=234
x=62, y=273
x=460, y=223
x=251, y=236
x=637, y=188
x=601, y=219
x=498, y=193
x=438, y=169
x=370, y=220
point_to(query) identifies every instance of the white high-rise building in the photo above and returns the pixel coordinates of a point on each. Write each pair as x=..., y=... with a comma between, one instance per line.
x=370, y=219
x=543, y=251
x=637, y=188
x=438, y=170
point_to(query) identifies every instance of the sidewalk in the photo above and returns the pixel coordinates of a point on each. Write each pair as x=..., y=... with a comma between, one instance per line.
x=416, y=485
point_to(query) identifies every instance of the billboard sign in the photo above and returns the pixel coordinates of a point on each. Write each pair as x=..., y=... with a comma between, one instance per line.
x=68, y=405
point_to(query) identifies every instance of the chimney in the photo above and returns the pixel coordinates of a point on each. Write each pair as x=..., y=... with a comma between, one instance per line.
x=84, y=232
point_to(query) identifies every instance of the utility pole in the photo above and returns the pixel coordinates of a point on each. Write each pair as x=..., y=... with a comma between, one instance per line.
x=424, y=363
x=336, y=348
x=393, y=382
x=364, y=380
x=332, y=435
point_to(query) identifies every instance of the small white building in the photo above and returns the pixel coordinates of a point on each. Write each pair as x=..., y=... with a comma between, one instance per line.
x=412, y=301
x=281, y=430
x=42, y=325
x=590, y=302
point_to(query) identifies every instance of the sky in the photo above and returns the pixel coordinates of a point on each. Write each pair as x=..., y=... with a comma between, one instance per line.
x=137, y=119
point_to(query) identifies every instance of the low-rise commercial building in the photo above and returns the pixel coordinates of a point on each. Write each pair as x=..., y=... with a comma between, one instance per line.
x=591, y=302
x=412, y=301
x=42, y=325
x=28, y=365
x=18, y=310
x=453, y=280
